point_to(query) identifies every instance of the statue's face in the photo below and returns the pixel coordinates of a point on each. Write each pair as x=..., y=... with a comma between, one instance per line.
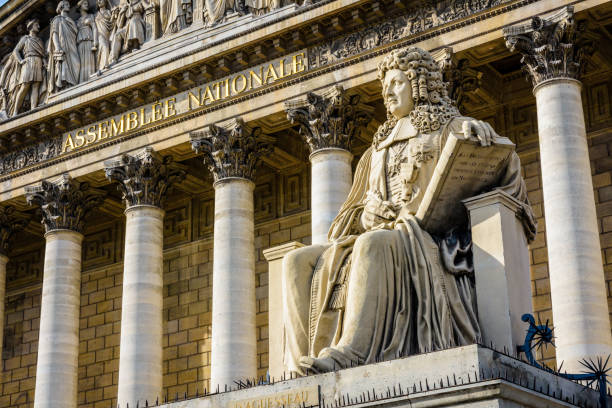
x=397, y=93
x=101, y=4
x=65, y=6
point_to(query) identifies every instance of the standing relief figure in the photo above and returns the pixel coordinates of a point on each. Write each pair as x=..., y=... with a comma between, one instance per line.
x=104, y=27
x=215, y=10
x=172, y=16
x=64, y=61
x=129, y=28
x=23, y=74
x=87, y=41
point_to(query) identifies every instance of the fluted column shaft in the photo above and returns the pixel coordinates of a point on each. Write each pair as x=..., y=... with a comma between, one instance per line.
x=234, y=340
x=231, y=152
x=328, y=122
x=577, y=283
x=144, y=180
x=140, y=361
x=552, y=50
x=64, y=204
x=58, y=341
x=330, y=185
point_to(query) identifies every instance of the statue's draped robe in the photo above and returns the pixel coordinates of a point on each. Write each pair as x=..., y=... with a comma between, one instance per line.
x=215, y=10
x=384, y=292
x=172, y=16
x=65, y=71
x=85, y=42
x=104, y=25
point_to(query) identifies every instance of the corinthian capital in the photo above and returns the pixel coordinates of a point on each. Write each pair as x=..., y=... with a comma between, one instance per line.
x=144, y=178
x=11, y=221
x=64, y=202
x=330, y=119
x=550, y=46
x=231, y=150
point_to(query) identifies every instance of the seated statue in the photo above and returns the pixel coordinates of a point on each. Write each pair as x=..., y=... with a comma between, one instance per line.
x=383, y=287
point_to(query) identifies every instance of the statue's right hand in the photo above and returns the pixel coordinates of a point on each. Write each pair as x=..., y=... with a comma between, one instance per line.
x=377, y=212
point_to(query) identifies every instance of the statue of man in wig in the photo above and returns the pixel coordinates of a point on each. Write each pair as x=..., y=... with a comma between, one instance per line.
x=383, y=287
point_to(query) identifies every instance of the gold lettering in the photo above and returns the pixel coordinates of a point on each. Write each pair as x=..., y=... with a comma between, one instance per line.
x=156, y=113
x=298, y=63
x=227, y=90
x=169, y=105
x=68, y=144
x=102, y=130
x=281, y=69
x=254, y=76
x=117, y=129
x=244, y=84
x=208, y=96
x=217, y=87
x=79, y=138
x=197, y=99
x=273, y=74
x=91, y=135
x=132, y=121
x=143, y=117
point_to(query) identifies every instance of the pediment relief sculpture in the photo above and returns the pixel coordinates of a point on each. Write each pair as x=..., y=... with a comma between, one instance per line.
x=384, y=286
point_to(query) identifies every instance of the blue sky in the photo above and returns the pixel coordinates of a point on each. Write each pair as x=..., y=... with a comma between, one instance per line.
x=3, y=2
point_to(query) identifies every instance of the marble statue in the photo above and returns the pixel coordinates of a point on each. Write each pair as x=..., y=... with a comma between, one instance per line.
x=383, y=287
x=23, y=73
x=64, y=61
x=216, y=10
x=104, y=27
x=87, y=41
x=128, y=28
x=172, y=16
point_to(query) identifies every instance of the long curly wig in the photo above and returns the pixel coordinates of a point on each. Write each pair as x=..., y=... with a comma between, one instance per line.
x=433, y=108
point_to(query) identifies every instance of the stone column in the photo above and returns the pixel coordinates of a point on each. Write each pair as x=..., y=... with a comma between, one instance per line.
x=328, y=122
x=551, y=55
x=64, y=204
x=231, y=153
x=10, y=223
x=143, y=180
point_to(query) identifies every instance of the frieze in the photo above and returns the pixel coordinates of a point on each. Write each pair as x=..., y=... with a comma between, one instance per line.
x=418, y=19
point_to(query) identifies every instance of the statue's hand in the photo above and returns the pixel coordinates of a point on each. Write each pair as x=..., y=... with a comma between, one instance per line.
x=377, y=212
x=481, y=130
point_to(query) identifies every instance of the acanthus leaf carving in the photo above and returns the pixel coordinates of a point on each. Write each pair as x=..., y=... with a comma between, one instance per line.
x=231, y=150
x=551, y=47
x=64, y=202
x=145, y=178
x=329, y=120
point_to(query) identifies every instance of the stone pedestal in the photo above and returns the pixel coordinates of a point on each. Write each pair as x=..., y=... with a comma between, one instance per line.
x=501, y=268
x=140, y=360
x=577, y=284
x=331, y=176
x=275, y=256
x=58, y=343
x=234, y=342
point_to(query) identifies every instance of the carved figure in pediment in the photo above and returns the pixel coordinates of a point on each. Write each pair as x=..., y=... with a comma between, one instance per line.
x=23, y=73
x=216, y=10
x=260, y=7
x=64, y=61
x=128, y=28
x=172, y=14
x=383, y=286
x=104, y=27
x=87, y=41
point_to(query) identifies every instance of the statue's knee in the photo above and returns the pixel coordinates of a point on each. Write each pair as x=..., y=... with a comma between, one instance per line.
x=372, y=241
x=298, y=264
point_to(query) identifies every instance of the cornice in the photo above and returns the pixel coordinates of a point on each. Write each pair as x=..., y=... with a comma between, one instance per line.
x=321, y=70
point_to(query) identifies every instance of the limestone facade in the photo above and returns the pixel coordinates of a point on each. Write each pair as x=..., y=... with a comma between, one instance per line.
x=342, y=44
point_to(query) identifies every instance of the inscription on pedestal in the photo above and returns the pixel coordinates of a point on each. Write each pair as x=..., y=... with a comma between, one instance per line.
x=298, y=398
x=465, y=169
